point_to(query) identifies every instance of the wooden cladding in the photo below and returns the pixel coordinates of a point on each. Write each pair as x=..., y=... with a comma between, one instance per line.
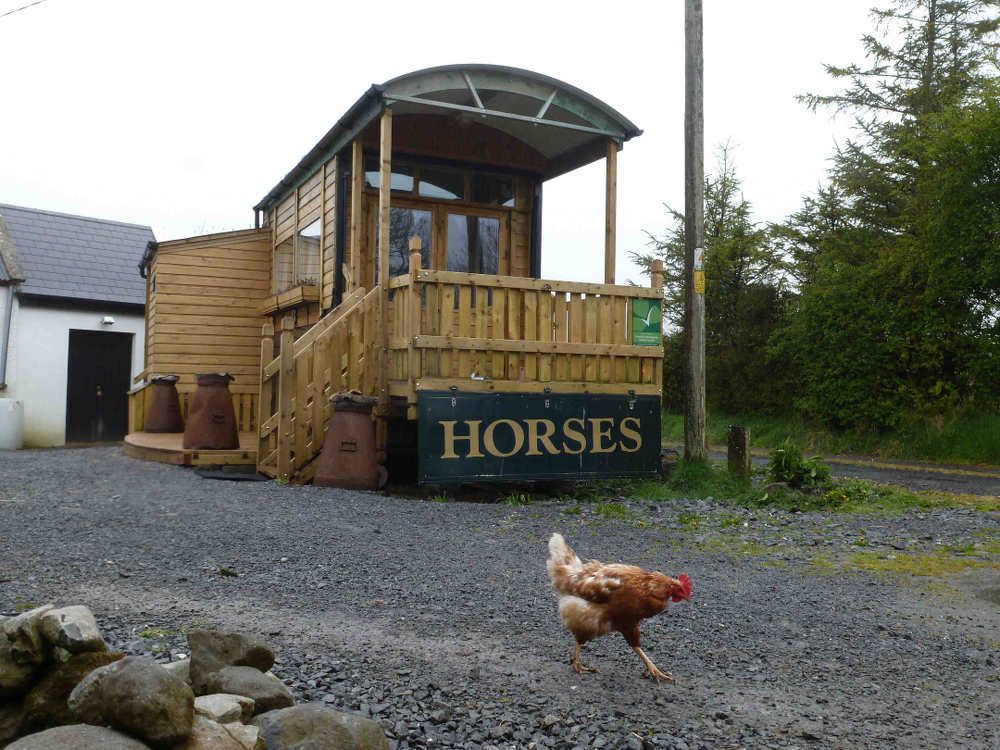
x=204, y=311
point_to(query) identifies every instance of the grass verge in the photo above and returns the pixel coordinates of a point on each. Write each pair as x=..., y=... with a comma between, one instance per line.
x=962, y=438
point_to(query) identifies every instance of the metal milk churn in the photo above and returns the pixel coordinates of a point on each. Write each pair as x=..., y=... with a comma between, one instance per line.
x=348, y=457
x=211, y=422
x=163, y=410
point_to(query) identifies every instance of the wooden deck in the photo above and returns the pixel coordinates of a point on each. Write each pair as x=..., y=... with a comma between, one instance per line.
x=167, y=448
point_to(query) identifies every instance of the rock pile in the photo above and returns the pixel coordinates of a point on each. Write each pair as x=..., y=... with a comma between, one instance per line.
x=61, y=689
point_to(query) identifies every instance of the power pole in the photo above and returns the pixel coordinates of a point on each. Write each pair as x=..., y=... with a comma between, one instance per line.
x=695, y=442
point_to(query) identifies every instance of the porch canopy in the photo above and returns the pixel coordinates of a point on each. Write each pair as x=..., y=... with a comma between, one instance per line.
x=558, y=126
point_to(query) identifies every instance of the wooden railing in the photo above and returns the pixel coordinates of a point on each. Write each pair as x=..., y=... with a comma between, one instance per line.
x=334, y=355
x=244, y=405
x=502, y=333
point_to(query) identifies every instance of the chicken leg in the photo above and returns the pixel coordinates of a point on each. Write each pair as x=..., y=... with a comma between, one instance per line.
x=651, y=669
x=577, y=666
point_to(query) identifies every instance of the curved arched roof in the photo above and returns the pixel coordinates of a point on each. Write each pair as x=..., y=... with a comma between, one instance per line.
x=566, y=125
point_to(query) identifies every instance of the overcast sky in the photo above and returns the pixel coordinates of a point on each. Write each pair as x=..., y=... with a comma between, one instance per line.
x=183, y=114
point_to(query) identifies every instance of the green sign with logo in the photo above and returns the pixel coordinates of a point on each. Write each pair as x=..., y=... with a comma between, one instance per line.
x=646, y=322
x=475, y=437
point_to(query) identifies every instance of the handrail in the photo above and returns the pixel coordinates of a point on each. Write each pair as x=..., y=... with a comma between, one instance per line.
x=428, y=276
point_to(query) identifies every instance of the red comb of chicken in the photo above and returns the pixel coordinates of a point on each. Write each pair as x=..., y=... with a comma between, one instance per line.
x=685, y=592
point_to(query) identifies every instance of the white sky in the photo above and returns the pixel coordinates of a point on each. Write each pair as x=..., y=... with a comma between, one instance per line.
x=183, y=114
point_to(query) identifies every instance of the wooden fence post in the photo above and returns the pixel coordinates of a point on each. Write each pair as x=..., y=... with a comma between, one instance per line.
x=413, y=354
x=739, y=450
x=265, y=405
x=286, y=390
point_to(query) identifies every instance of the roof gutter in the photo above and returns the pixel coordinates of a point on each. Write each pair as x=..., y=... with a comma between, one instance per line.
x=147, y=257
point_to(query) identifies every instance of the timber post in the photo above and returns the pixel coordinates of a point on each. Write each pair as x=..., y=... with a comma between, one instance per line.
x=286, y=391
x=266, y=388
x=695, y=432
x=357, y=195
x=384, y=217
x=738, y=450
x=413, y=319
x=610, y=210
x=656, y=275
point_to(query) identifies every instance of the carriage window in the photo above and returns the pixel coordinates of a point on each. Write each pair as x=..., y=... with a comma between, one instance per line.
x=473, y=243
x=442, y=183
x=307, y=270
x=405, y=223
x=493, y=189
x=401, y=180
x=283, y=265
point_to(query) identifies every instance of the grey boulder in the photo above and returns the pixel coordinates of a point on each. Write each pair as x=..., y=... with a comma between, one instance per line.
x=311, y=726
x=78, y=737
x=27, y=646
x=267, y=691
x=138, y=696
x=210, y=735
x=72, y=628
x=224, y=707
x=212, y=650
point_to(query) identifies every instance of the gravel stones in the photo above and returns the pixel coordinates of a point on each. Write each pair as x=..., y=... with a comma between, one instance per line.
x=449, y=605
x=137, y=696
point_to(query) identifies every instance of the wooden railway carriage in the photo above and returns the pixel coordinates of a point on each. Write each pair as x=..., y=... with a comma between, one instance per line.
x=401, y=258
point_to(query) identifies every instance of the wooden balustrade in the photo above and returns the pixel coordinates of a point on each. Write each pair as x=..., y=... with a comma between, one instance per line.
x=334, y=355
x=244, y=406
x=483, y=332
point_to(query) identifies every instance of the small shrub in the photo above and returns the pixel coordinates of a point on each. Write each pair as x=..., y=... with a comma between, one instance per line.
x=787, y=465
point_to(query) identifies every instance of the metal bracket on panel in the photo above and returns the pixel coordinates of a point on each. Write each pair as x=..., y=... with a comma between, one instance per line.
x=631, y=400
x=454, y=393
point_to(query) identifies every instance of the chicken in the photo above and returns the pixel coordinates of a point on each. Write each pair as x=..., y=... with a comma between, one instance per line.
x=596, y=599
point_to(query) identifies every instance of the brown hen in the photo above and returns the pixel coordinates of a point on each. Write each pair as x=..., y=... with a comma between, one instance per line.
x=596, y=599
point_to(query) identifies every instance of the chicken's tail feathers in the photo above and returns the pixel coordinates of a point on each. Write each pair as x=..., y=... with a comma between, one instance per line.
x=562, y=562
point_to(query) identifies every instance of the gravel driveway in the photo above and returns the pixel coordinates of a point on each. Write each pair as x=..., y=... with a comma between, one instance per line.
x=437, y=618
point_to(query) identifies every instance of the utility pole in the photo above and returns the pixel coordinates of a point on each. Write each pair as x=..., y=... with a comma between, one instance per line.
x=695, y=442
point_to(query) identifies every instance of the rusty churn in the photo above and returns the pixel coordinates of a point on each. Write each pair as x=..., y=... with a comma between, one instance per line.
x=348, y=456
x=211, y=422
x=163, y=408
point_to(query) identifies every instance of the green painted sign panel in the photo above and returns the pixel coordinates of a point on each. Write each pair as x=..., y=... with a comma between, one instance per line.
x=646, y=322
x=475, y=437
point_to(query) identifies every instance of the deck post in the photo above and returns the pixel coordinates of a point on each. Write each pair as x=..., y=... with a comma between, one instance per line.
x=266, y=389
x=656, y=275
x=286, y=390
x=357, y=195
x=384, y=214
x=413, y=316
x=610, y=206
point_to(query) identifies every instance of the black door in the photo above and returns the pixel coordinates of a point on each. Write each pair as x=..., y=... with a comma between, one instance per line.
x=97, y=390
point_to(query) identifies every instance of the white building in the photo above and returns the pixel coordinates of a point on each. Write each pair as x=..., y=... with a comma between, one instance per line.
x=72, y=324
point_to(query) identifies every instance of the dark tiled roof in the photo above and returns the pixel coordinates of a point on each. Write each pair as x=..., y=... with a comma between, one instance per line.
x=77, y=256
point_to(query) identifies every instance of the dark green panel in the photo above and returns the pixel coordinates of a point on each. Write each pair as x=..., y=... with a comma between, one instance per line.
x=466, y=437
